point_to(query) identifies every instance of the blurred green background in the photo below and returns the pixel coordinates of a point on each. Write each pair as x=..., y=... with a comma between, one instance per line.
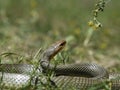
x=27, y=25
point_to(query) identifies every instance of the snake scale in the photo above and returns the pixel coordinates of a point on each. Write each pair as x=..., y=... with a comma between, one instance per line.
x=81, y=76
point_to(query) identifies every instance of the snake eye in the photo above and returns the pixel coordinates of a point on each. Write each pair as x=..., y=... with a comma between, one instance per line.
x=63, y=43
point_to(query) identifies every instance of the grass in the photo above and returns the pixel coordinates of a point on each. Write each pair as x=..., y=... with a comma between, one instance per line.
x=27, y=25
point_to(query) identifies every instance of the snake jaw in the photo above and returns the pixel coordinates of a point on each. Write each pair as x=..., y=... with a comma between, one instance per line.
x=58, y=46
x=54, y=49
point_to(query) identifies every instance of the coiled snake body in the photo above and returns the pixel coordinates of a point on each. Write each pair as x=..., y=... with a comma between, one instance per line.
x=80, y=76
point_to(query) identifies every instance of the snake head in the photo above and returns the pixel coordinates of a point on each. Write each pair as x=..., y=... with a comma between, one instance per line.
x=54, y=49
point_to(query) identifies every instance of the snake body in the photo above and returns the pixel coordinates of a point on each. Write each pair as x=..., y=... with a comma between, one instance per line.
x=80, y=76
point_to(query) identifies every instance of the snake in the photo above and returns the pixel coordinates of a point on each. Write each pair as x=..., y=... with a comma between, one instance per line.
x=81, y=75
